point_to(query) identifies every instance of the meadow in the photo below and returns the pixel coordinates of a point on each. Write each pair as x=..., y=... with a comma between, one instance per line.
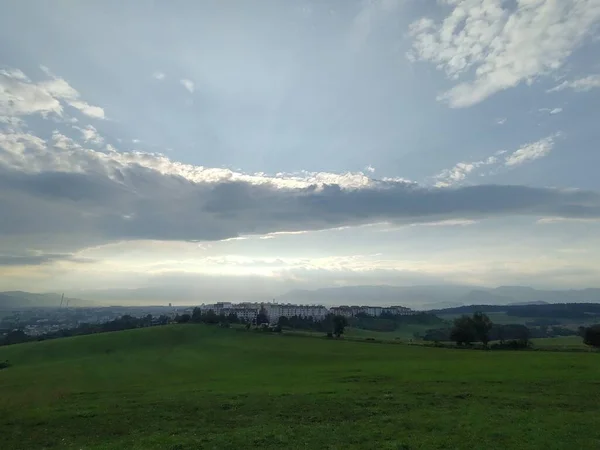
x=195, y=386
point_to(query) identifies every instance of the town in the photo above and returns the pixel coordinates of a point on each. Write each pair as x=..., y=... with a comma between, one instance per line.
x=38, y=321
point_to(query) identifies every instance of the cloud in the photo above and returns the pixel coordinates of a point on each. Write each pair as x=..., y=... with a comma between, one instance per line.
x=90, y=134
x=19, y=96
x=159, y=76
x=501, y=121
x=501, y=44
x=580, y=85
x=526, y=153
x=460, y=171
x=188, y=84
x=530, y=152
x=551, y=111
x=63, y=142
x=67, y=199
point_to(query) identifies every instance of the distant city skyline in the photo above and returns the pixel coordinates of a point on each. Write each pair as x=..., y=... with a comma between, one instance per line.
x=247, y=149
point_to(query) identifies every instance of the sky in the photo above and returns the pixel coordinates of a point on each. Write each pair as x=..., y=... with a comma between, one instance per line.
x=250, y=148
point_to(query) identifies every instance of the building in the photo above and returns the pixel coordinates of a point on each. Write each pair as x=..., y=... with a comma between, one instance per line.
x=275, y=311
x=249, y=311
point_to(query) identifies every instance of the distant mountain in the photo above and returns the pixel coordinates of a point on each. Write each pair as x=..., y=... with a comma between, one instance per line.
x=438, y=297
x=19, y=299
x=538, y=303
x=421, y=297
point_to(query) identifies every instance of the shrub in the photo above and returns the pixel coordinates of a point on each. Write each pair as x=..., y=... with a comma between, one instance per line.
x=514, y=344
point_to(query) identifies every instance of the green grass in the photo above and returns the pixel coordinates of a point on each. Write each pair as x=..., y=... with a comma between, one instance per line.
x=502, y=318
x=193, y=386
x=560, y=343
x=402, y=333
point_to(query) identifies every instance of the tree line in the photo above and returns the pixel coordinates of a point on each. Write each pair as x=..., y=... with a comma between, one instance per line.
x=125, y=322
x=331, y=324
x=478, y=328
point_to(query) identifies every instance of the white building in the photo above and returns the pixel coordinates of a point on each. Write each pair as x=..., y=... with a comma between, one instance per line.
x=249, y=311
x=275, y=311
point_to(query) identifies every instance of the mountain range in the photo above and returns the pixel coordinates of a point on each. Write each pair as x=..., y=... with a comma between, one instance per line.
x=439, y=297
x=416, y=297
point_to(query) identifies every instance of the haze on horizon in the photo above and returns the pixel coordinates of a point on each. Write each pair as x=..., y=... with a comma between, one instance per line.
x=259, y=147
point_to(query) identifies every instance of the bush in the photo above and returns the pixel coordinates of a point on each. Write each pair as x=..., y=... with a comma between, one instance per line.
x=4, y=365
x=329, y=335
x=514, y=344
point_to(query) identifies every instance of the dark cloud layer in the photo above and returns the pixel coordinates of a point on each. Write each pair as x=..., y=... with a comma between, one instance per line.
x=142, y=203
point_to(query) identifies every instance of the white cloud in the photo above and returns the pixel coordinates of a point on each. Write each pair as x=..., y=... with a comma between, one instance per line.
x=501, y=44
x=188, y=84
x=501, y=121
x=78, y=160
x=89, y=110
x=159, y=76
x=63, y=196
x=63, y=142
x=530, y=152
x=19, y=96
x=13, y=122
x=526, y=153
x=90, y=134
x=370, y=169
x=579, y=85
x=460, y=171
x=551, y=111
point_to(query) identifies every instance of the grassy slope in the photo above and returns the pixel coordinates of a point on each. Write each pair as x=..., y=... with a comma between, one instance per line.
x=192, y=386
x=502, y=318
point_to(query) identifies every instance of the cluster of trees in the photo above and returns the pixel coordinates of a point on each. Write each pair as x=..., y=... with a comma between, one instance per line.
x=478, y=327
x=125, y=322
x=467, y=330
x=591, y=336
x=548, y=310
x=391, y=322
x=556, y=310
x=333, y=325
x=212, y=318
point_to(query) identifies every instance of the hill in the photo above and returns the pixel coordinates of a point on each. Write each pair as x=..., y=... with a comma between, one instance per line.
x=194, y=386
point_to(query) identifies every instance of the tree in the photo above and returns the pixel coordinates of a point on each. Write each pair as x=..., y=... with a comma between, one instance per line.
x=339, y=323
x=463, y=331
x=262, y=316
x=197, y=315
x=591, y=336
x=16, y=337
x=482, y=326
x=185, y=318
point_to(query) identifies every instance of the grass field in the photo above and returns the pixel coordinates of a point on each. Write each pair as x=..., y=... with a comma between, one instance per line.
x=193, y=386
x=560, y=343
x=402, y=333
x=501, y=318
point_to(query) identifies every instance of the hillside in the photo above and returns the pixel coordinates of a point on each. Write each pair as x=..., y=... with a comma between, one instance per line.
x=193, y=386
